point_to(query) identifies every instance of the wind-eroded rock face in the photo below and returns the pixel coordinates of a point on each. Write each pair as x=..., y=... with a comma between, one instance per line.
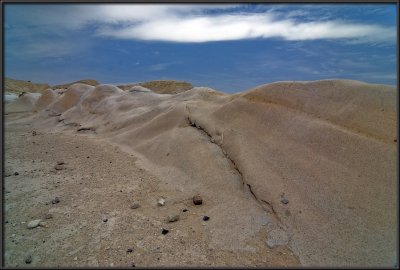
x=319, y=158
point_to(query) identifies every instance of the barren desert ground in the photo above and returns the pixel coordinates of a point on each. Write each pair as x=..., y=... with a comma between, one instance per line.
x=290, y=174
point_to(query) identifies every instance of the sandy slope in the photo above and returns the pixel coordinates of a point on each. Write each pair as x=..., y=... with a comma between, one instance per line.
x=327, y=147
x=19, y=86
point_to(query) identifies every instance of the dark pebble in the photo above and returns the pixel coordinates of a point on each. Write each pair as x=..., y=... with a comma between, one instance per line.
x=55, y=200
x=87, y=157
x=164, y=231
x=16, y=173
x=184, y=210
x=58, y=167
x=28, y=259
x=135, y=206
x=205, y=218
x=129, y=250
x=133, y=265
x=284, y=201
x=105, y=219
x=197, y=200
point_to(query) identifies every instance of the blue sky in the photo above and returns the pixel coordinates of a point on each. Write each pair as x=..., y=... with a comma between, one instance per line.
x=230, y=48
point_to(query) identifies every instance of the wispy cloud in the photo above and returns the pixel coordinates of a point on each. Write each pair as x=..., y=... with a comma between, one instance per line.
x=162, y=66
x=180, y=25
x=204, y=23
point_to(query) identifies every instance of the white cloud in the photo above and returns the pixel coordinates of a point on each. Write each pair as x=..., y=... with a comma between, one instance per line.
x=179, y=24
x=203, y=23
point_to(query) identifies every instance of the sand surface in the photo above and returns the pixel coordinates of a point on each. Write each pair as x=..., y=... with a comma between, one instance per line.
x=291, y=173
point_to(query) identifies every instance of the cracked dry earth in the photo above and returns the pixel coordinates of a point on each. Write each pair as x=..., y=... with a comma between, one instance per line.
x=94, y=225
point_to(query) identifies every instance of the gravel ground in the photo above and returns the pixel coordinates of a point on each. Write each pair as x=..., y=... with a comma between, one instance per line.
x=93, y=223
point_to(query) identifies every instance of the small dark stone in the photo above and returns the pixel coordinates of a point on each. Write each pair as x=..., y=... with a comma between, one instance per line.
x=133, y=265
x=135, y=206
x=197, y=200
x=60, y=162
x=395, y=140
x=184, y=210
x=58, y=167
x=164, y=231
x=6, y=221
x=205, y=218
x=173, y=218
x=55, y=200
x=28, y=259
x=284, y=201
x=87, y=157
x=105, y=219
x=16, y=173
x=129, y=250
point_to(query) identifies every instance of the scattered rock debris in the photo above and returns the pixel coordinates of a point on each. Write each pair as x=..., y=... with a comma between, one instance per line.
x=197, y=200
x=43, y=224
x=161, y=202
x=135, y=206
x=55, y=200
x=28, y=259
x=173, y=218
x=34, y=223
x=284, y=201
x=59, y=167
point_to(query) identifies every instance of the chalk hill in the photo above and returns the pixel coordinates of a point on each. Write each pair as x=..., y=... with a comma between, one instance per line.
x=319, y=157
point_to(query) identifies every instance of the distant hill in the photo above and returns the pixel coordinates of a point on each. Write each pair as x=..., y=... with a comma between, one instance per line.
x=65, y=86
x=19, y=86
x=162, y=86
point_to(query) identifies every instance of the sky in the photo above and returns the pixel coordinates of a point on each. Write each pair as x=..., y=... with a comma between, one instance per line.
x=230, y=48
